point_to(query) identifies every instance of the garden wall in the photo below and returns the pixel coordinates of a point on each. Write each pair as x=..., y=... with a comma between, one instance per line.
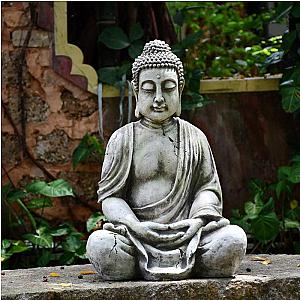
x=57, y=115
x=249, y=133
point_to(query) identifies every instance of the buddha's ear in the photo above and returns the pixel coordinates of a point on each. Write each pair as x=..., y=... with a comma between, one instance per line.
x=135, y=92
x=178, y=111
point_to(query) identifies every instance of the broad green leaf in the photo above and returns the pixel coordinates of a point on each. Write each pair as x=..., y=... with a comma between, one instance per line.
x=109, y=75
x=253, y=209
x=268, y=207
x=72, y=243
x=15, y=195
x=293, y=214
x=60, y=230
x=44, y=258
x=93, y=220
x=290, y=98
x=289, y=224
x=18, y=247
x=56, y=188
x=265, y=227
x=37, y=203
x=5, y=244
x=95, y=144
x=42, y=238
x=114, y=38
x=257, y=186
x=283, y=172
x=136, y=32
x=80, y=154
x=294, y=176
x=136, y=49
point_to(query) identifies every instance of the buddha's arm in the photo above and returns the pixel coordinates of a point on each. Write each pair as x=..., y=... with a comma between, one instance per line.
x=207, y=202
x=118, y=211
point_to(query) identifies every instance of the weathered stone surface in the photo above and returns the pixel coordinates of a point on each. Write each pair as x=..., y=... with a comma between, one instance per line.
x=37, y=109
x=38, y=38
x=75, y=108
x=277, y=281
x=53, y=148
x=10, y=149
x=15, y=18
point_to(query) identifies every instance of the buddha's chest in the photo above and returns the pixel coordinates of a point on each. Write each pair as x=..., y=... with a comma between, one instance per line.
x=155, y=154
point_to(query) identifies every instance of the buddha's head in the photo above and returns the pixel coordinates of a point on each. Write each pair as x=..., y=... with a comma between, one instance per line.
x=157, y=82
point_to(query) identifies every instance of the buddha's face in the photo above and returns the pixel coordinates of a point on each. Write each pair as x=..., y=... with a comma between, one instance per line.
x=158, y=95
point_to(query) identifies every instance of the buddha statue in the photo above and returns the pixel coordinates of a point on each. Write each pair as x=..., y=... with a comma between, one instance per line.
x=160, y=189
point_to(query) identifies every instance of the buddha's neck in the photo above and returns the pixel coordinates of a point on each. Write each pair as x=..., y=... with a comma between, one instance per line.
x=165, y=125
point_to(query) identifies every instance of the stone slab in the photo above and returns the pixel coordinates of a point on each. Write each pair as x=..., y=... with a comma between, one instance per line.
x=278, y=280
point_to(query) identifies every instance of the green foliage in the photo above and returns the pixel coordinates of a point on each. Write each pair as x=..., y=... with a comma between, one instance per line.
x=290, y=82
x=88, y=145
x=231, y=43
x=273, y=210
x=115, y=38
x=42, y=244
x=94, y=221
x=56, y=188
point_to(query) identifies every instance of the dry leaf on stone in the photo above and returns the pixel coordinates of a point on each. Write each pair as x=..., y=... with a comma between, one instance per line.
x=298, y=265
x=87, y=272
x=263, y=260
x=65, y=284
x=53, y=274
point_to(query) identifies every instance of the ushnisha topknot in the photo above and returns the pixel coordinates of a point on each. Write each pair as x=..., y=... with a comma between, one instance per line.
x=156, y=54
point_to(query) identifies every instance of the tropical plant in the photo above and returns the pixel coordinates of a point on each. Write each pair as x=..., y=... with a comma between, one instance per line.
x=272, y=216
x=115, y=38
x=35, y=242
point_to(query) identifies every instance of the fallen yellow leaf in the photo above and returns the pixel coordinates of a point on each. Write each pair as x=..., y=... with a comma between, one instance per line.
x=65, y=284
x=263, y=260
x=298, y=265
x=87, y=272
x=53, y=274
x=266, y=262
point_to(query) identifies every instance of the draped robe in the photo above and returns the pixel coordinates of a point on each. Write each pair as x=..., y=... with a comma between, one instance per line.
x=196, y=173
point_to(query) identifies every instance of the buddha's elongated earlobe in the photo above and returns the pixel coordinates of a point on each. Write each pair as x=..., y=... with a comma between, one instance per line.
x=178, y=111
x=137, y=111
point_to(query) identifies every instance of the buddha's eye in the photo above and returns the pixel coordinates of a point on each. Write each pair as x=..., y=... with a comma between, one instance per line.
x=148, y=87
x=169, y=85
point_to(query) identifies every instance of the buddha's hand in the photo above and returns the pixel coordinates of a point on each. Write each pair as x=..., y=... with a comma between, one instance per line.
x=189, y=226
x=157, y=233
x=214, y=225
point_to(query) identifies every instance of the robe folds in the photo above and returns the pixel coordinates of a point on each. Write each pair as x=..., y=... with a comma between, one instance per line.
x=196, y=173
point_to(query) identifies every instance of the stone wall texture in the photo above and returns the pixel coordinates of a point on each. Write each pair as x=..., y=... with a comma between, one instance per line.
x=57, y=114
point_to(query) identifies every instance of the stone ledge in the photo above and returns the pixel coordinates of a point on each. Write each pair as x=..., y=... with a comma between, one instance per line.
x=278, y=280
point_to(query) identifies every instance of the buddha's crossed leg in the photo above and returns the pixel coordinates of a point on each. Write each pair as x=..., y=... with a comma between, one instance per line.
x=219, y=254
x=112, y=255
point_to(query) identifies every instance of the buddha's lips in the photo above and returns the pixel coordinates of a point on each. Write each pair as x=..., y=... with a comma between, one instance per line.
x=159, y=108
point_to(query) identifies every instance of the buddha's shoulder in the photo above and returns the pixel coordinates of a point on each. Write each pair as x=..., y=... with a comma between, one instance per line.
x=121, y=134
x=192, y=129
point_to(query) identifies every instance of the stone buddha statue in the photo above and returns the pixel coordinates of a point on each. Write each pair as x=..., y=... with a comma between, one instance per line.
x=160, y=189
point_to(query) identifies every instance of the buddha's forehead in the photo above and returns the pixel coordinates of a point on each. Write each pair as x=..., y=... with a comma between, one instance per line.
x=158, y=73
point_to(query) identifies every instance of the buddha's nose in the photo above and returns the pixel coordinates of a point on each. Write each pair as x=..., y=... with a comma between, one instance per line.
x=159, y=99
